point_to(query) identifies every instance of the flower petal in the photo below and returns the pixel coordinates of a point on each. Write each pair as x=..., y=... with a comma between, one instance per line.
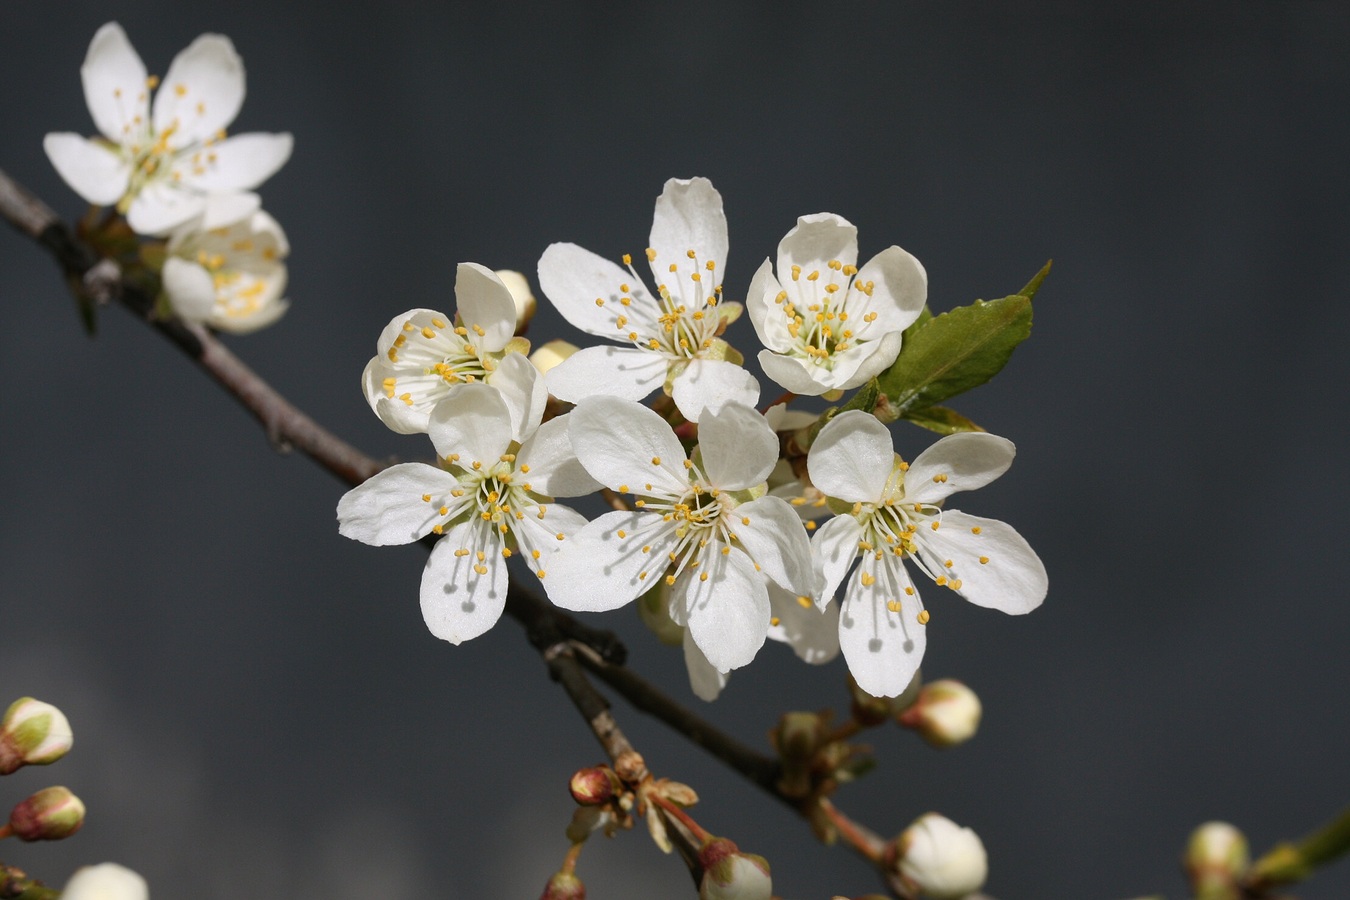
x=542, y=533
x=202, y=91
x=709, y=384
x=461, y=596
x=792, y=374
x=899, y=291
x=738, y=447
x=115, y=89
x=704, y=679
x=766, y=314
x=812, y=634
x=835, y=545
x=162, y=206
x=472, y=421
x=728, y=611
x=689, y=217
x=814, y=242
x=573, y=279
x=958, y=462
x=852, y=457
x=615, y=371
x=627, y=446
x=776, y=540
x=232, y=207
x=484, y=303
x=522, y=387
x=596, y=570
x=861, y=363
x=239, y=163
x=191, y=291
x=554, y=469
x=995, y=566
x=883, y=647
x=388, y=508
x=93, y=171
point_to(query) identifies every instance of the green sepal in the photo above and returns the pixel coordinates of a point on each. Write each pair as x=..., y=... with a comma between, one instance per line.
x=941, y=419
x=153, y=254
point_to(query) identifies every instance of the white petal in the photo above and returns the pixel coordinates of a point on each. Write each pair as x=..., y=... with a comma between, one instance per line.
x=1013, y=580
x=192, y=292
x=861, y=363
x=522, y=387
x=792, y=374
x=239, y=163
x=459, y=602
x=852, y=457
x=812, y=634
x=615, y=371
x=728, y=613
x=626, y=445
x=883, y=648
x=246, y=323
x=537, y=533
x=388, y=508
x=739, y=449
x=573, y=278
x=704, y=679
x=958, y=462
x=483, y=300
x=114, y=85
x=780, y=418
x=596, y=570
x=899, y=291
x=202, y=91
x=472, y=421
x=93, y=171
x=835, y=545
x=688, y=217
x=709, y=384
x=555, y=470
x=232, y=207
x=814, y=242
x=162, y=206
x=766, y=314
x=105, y=881
x=776, y=540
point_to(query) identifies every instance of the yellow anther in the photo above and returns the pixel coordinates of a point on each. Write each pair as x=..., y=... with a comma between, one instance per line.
x=599, y=301
x=940, y=581
x=910, y=591
x=726, y=550
x=975, y=529
x=534, y=553
x=461, y=330
x=868, y=579
x=955, y=585
x=627, y=259
x=745, y=520
x=923, y=617
x=541, y=573
x=798, y=501
x=506, y=553
x=796, y=272
x=438, y=529
x=647, y=548
x=815, y=274
x=948, y=563
x=984, y=560
x=444, y=510
x=426, y=498
x=560, y=536
x=939, y=478
x=702, y=576
x=152, y=82
x=477, y=465
x=903, y=466
x=894, y=606
x=624, y=287
x=462, y=551
x=935, y=525
x=656, y=460
x=428, y=333
x=674, y=268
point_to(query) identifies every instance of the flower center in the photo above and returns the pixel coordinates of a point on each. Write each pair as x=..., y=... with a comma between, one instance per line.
x=684, y=321
x=823, y=321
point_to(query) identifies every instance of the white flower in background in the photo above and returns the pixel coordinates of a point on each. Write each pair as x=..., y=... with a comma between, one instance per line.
x=423, y=354
x=896, y=514
x=827, y=324
x=105, y=881
x=940, y=859
x=701, y=524
x=170, y=162
x=231, y=278
x=519, y=288
x=672, y=336
x=490, y=498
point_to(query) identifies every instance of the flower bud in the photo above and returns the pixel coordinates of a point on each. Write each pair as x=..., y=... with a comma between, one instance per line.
x=519, y=286
x=729, y=874
x=1216, y=859
x=32, y=733
x=868, y=710
x=106, y=881
x=550, y=354
x=49, y=815
x=797, y=738
x=947, y=713
x=939, y=859
x=594, y=786
x=564, y=886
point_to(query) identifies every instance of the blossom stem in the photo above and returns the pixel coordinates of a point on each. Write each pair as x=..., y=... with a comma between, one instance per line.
x=679, y=815
x=862, y=839
x=1287, y=863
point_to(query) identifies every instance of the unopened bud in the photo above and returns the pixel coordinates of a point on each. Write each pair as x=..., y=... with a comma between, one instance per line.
x=947, y=713
x=519, y=286
x=106, y=881
x=1216, y=859
x=631, y=767
x=594, y=786
x=939, y=859
x=49, y=815
x=32, y=733
x=797, y=738
x=729, y=874
x=564, y=886
x=551, y=354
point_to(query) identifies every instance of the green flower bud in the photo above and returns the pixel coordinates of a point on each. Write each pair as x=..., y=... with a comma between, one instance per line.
x=564, y=886
x=729, y=874
x=32, y=733
x=939, y=859
x=1216, y=859
x=106, y=881
x=49, y=815
x=947, y=713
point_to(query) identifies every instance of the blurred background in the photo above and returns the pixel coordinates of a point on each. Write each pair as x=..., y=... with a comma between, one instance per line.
x=258, y=706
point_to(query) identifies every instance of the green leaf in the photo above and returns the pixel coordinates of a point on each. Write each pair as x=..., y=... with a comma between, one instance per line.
x=941, y=419
x=1034, y=284
x=956, y=351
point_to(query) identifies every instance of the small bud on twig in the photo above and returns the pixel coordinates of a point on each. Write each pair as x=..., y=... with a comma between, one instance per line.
x=1216, y=860
x=564, y=886
x=938, y=858
x=595, y=785
x=106, y=881
x=947, y=713
x=729, y=874
x=32, y=733
x=49, y=815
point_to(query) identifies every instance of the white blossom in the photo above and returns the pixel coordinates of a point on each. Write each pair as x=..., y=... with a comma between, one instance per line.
x=490, y=497
x=941, y=859
x=105, y=881
x=231, y=278
x=827, y=324
x=701, y=524
x=166, y=162
x=671, y=337
x=894, y=513
x=423, y=354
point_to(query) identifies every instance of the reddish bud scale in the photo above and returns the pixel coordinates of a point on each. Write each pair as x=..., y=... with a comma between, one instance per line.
x=594, y=786
x=49, y=815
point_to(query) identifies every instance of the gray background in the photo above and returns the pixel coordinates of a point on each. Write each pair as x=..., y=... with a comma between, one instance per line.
x=258, y=706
